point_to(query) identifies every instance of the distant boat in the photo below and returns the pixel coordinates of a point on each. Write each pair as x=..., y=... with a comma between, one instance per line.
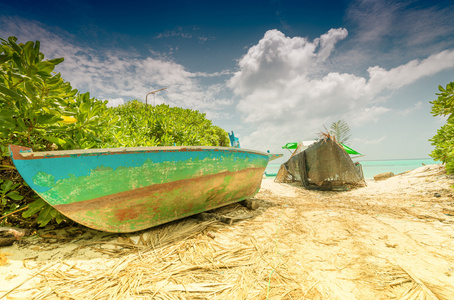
x=130, y=189
x=270, y=174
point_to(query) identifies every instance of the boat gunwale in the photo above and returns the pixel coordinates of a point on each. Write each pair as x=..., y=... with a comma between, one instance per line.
x=128, y=150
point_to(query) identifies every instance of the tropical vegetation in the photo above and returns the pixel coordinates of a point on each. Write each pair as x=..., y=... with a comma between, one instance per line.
x=444, y=139
x=40, y=110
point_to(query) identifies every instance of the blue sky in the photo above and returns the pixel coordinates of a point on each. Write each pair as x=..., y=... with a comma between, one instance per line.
x=271, y=71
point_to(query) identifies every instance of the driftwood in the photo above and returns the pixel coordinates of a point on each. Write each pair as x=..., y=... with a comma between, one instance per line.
x=227, y=220
x=251, y=204
x=383, y=176
x=210, y=216
x=8, y=235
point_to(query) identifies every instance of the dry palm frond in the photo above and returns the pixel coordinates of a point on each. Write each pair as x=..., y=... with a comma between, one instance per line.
x=404, y=284
x=326, y=135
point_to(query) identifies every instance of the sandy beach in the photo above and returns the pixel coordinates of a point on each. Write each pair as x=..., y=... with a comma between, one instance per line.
x=393, y=239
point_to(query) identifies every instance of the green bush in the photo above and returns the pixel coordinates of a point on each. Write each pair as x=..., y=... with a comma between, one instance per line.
x=444, y=139
x=141, y=125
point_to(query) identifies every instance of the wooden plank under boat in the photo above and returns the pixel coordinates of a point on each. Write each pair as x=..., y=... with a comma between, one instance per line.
x=130, y=189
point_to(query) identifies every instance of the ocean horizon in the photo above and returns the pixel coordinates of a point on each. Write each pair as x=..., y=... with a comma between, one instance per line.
x=374, y=167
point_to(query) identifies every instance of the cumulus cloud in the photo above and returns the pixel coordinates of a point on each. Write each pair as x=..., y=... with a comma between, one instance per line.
x=119, y=75
x=328, y=41
x=279, y=84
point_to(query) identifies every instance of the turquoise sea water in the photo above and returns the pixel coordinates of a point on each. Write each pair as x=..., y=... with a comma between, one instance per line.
x=397, y=166
x=374, y=167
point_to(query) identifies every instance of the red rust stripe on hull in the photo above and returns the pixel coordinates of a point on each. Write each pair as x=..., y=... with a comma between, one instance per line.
x=157, y=204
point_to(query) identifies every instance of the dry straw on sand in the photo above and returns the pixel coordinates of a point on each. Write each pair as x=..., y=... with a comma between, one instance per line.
x=168, y=263
x=389, y=240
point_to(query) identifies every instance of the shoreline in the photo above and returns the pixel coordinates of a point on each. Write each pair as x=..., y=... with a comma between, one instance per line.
x=375, y=167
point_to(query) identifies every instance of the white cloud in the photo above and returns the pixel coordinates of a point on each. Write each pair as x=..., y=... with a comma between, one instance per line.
x=115, y=102
x=381, y=79
x=279, y=84
x=215, y=74
x=329, y=40
x=364, y=115
x=409, y=110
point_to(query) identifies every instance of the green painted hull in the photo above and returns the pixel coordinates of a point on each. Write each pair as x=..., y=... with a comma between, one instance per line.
x=130, y=189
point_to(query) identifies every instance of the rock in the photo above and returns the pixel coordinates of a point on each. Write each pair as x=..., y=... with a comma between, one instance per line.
x=383, y=176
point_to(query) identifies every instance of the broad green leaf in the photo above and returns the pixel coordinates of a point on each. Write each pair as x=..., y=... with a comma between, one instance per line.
x=6, y=115
x=59, y=217
x=15, y=195
x=17, y=60
x=7, y=91
x=4, y=58
x=55, y=140
x=45, y=66
x=28, y=52
x=6, y=186
x=45, y=216
x=34, y=207
x=44, y=119
x=56, y=61
x=21, y=124
x=11, y=39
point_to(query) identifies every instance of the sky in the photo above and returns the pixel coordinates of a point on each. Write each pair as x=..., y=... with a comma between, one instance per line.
x=272, y=71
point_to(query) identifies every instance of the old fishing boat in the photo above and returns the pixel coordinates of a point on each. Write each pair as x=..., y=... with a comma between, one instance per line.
x=130, y=189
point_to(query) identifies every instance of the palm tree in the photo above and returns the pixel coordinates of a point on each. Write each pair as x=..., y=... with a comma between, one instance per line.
x=341, y=131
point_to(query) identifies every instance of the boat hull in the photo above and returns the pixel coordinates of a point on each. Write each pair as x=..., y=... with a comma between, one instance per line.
x=131, y=189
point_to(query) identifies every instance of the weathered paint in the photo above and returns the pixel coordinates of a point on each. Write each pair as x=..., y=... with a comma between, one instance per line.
x=273, y=156
x=130, y=190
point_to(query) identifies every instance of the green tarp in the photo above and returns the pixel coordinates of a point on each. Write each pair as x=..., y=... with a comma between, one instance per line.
x=346, y=148
x=290, y=146
x=350, y=150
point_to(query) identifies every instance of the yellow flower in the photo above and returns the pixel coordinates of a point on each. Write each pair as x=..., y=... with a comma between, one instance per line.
x=68, y=120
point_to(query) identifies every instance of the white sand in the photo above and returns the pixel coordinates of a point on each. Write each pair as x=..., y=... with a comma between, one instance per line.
x=378, y=242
